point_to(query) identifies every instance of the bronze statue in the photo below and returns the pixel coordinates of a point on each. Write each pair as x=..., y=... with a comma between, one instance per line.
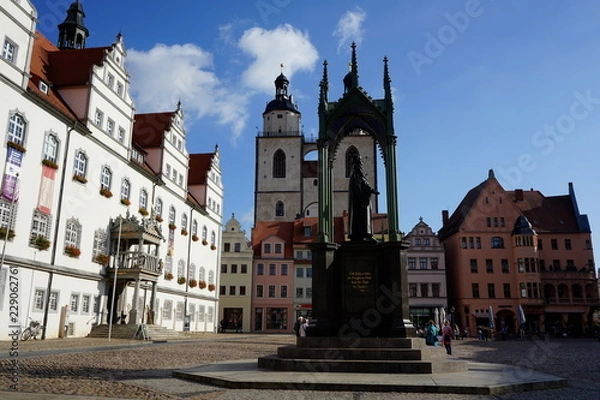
x=359, y=204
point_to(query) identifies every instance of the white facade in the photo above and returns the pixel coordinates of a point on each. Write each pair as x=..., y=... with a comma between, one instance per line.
x=86, y=130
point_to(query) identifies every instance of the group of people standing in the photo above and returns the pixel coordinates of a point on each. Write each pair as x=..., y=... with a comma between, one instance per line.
x=432, y=333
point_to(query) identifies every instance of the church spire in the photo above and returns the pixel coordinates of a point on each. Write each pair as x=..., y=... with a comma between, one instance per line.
x=351, y=78
x=72, y=33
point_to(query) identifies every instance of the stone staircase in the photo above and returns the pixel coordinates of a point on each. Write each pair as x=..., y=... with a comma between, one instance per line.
x=364, y=355
x=128, y=331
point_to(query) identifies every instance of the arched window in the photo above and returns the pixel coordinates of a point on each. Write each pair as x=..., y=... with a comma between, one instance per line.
x=159, y=207
x=73, y=233
x=279, y=209
x=5, y=214
x=194, y=227
x=80, y=167
x=125, y=189
x=192, y=271
x=497, y=242
x=213, y=238
x=184, y=221
x=100, y=241
x=211, y=277
x=105, y=178
x=201, y=274
x=204, y=233
x=172, y=215
x=180, y=269
x=40, y=225
x=279, y=164
x=168, y=265
x=350, y=154
x=16, y=129
x=50, y=148
x=144, y=199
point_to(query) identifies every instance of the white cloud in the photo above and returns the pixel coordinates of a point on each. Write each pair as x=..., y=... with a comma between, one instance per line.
x=270, y=48
x=350, y=28
x=166, y=74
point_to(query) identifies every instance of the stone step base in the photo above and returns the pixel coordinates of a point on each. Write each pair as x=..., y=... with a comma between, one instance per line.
x=127, y=331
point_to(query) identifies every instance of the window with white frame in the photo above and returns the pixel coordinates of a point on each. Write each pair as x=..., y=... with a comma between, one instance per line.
x=168, y=265
x=110, y=127
x=158, y=207
x=39, y=298
x=86, y=300
x=204, y=233
x=98, y=118
x=53, y=304
x=202, y=274
x=201, y=313
x=110, y=81
x=6, y=208
x=180, y=269
x=213, y=238
x=119, y=88
x=16, y=129
x=210, y=314
x=192, y=312
x=168, y=170
x=172, y=215
x=73, y=233
x=40, y=225
x=180, y=180
x=9, y=51
x=100, y=242
x=121, y=135
x=105, y=178
x=192, y=271
x=80, y=167
x=211, y=276
x=179, y=311
x=74, y=303
x=194, y=227
x=144, y=199
x=125, y=189
x=184, y=221
x=167, y=309
x=50, y=147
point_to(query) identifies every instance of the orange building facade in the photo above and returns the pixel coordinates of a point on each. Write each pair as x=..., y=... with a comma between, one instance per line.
x=511, y=249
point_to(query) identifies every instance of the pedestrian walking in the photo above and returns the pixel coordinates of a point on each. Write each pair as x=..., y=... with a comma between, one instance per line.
x=297, y=325
x=447, y=337
x=431, y=334
x=303, y=327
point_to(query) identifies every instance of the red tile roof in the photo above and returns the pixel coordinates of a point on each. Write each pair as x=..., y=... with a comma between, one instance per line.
x=284, y=230
x=149, y=129
x=73, y=67
x=547, y=214
x=199, y=166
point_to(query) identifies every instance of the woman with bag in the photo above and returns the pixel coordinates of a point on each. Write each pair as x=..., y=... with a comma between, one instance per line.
x=447, y=337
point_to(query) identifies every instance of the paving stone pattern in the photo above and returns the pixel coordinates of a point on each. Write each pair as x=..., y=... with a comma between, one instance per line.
x=129, y=369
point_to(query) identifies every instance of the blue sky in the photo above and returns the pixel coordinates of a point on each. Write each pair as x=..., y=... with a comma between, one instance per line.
x=506, y=85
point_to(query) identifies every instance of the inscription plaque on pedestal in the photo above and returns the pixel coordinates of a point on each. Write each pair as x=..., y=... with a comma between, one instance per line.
x=360, y=291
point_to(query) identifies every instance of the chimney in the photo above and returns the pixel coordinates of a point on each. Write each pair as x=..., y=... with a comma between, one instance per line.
x=518, y=195
x=444, y=217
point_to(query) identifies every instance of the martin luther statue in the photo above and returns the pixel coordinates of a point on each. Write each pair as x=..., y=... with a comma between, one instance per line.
x=359, y=204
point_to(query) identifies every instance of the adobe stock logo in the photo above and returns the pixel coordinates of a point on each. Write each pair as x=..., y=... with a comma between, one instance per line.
x=268, y=7
x=446, y=35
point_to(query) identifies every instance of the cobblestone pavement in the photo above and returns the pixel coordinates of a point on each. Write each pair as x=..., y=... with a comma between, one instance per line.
x=127, y=369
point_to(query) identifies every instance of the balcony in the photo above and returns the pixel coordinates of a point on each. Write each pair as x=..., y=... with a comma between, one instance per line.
x=133, y=263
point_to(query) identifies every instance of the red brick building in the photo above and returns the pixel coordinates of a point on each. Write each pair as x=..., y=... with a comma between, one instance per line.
x=509, y=248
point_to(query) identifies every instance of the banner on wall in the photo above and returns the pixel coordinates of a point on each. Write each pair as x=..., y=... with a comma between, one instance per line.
x=46, y=189
x=10, y=183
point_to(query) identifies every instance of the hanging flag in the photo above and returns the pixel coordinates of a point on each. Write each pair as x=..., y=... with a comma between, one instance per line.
x=10, y=187
x=46, y=189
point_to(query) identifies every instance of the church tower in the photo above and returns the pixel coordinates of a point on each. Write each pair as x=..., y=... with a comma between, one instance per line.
x=72, y=33
x=286, y=181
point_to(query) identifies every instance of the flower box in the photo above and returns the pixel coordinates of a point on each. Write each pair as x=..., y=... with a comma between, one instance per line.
x=79, y=178
x=172, y=227
x=195, y=238
x=184, y=232
x=213, y=247
x=204, y=242
x=40, y=242
x=202, y=284
x=49, y=163
x=106, y=193
x=72, y=251
x=11, y=234
x=16, y=146
x=101, y=259
x=181, y=280
x=168, y=276
x=212, y=287
x=158, y=218
x=193, y=283
x=125, y=202
x=143, y=211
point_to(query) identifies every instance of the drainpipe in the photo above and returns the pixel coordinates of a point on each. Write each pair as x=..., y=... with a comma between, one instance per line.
x=56, y=228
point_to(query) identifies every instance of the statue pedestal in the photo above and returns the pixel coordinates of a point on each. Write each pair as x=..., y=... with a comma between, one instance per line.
x=360, y=290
